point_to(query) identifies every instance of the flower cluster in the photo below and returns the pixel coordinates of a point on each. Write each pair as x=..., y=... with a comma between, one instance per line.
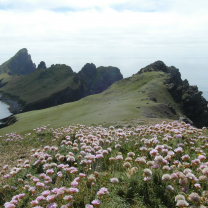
x=98, y=167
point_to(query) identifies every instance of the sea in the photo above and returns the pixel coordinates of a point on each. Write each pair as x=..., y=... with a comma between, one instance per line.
x=4, y=110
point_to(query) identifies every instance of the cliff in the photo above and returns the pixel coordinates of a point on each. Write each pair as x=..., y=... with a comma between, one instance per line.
x=192, y=104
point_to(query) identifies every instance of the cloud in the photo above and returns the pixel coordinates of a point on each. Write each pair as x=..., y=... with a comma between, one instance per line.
x=126, y=34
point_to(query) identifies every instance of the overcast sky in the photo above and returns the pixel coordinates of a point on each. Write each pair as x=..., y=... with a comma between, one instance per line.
x=128, y=34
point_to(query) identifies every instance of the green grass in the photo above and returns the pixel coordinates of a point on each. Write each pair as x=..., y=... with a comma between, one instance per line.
x=40, y=84
x=119, y=102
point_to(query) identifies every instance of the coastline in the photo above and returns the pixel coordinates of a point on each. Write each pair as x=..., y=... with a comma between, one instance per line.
x=14, y=106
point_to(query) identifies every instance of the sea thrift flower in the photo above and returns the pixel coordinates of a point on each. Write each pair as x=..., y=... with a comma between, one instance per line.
x=46, y=193
x=194, y=197
x=153, y=152
x=197, y=185
x=205, y=171
x=34, y=203
x=52, y=205
x=91, y=178
x=166, y=177
x=9, y=205
x=203, y=178
x=96, y=202
x=51, y=198
x=179, y=197
x=119, y=157
x=159, y=159
x=140, y=160
x=131, y=154
x=88, y=206
x=147, y=178
x=102, y=191
x=50, y=171
x=68, y=198
x=147, y=172
x=114, y=180
x=170, y=188
x=74, y=183
x=185, y=157
x=182, y=203
x=127, y=165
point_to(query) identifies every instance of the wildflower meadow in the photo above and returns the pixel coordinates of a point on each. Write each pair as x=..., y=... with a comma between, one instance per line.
x=162, y=165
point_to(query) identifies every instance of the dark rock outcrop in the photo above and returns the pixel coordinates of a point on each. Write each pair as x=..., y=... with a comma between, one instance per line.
x=156, y=66
x=193, y=105
x=42, y=65
x=20, y=64
x=99, y=79
x=7, y=121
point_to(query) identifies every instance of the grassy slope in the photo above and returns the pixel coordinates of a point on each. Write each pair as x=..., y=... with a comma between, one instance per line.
x=40, y=84
x=119, y=102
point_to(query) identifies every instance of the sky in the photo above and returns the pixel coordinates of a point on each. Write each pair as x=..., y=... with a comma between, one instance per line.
x=128, y=34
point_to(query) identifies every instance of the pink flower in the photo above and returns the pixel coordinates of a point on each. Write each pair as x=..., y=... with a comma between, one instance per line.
x=102, y=191
x=98, y=156
x=88, y=206
x=46, y=193
x=6, y=176
x=40, y=198
x=96, y=202
x=40, y=185
x=197, y=185
x=68, y=198
x=9, y=205
x=50, y=171
x=114, y=180
x=74, y=183
x=52, y=205
x=34, y=203
x=51, y=198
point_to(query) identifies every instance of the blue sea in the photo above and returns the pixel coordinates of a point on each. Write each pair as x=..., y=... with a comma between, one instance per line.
x=4, y=110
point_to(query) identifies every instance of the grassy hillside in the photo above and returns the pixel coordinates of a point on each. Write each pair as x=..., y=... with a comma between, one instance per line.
x=140, y=96
x=40, y=84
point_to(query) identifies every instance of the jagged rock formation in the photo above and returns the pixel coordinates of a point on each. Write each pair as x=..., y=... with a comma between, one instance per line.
x=193, y=105
x=99, y=79
x=19, y=64
x=42, y=65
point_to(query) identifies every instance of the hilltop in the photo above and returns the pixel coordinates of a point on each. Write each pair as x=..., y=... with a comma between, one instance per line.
x=44, y=87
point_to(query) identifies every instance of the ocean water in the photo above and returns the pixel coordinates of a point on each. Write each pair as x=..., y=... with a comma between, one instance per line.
x=4, y=110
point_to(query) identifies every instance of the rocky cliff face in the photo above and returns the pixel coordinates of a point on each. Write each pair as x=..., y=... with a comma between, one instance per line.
x=191, y=101
x=99, y=79
x=20, y=64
